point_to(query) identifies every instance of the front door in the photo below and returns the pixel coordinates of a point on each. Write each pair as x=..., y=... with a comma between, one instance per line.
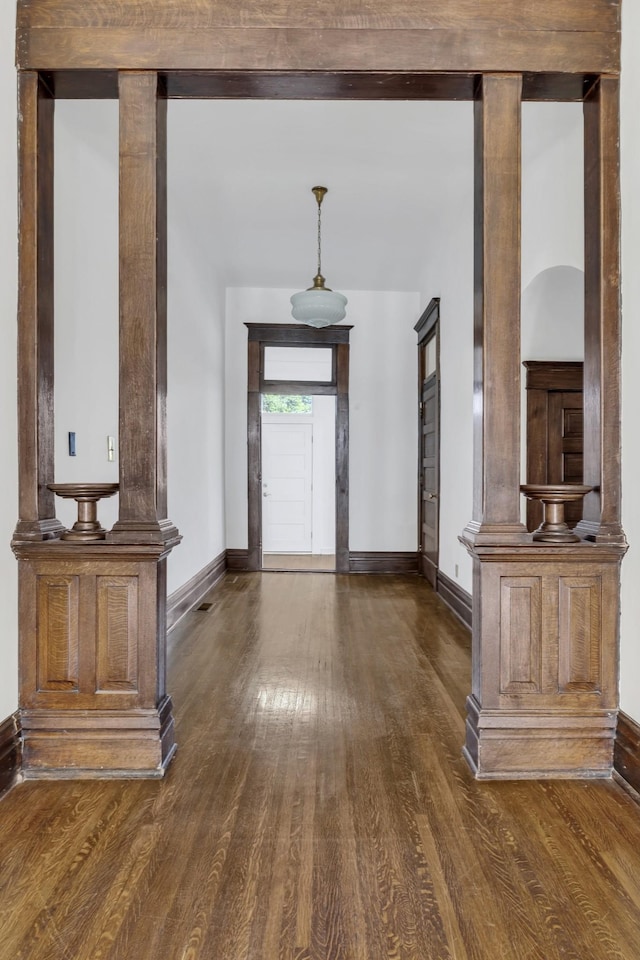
x=287, y=450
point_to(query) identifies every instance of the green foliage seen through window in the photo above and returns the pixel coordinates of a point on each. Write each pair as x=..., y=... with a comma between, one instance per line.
x=276, y=403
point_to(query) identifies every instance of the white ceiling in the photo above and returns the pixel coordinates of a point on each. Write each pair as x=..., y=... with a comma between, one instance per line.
x=241, y=172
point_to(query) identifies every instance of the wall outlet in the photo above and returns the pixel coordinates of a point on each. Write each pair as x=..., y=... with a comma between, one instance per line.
x=111, y=449
x=456, y=569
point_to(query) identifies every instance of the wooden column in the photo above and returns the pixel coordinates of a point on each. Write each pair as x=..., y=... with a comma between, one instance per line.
x=602, y=516
x=143, y=312
x=496, y=509
x=93, y=700
x=545, y=616
x=37, y=515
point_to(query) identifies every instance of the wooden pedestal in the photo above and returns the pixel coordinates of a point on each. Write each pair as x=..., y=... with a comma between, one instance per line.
x=92, y=660
x=545, y=655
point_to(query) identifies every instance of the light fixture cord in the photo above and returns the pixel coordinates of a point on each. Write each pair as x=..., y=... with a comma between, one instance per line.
x=319, y=241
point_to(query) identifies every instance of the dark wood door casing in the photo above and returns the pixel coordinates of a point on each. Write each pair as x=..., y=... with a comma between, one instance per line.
x=555, y=430
x=297, y=335
x=428, y=331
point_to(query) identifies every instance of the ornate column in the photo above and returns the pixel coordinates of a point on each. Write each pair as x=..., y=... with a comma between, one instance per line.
x=545, y=615
x=93, y=700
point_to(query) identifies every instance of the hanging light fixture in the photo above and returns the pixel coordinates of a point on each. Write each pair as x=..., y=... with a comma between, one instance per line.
x=318, y=306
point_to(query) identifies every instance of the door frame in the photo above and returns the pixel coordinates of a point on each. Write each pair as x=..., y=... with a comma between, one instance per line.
x=261, y=335
x=428, y=328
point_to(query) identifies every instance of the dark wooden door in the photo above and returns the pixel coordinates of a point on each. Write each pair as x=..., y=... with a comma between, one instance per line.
x=428, y=332
x=554, y=431
x=430, y=471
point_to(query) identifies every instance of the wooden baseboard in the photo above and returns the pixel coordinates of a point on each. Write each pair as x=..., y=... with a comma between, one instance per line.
x=9, y=752
x=626, y=753
x=455, y=598
x=391, y=561
x=238, y=560
x=188, y=596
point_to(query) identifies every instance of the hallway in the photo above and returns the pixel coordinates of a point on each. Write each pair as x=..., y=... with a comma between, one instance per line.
x=319, y=807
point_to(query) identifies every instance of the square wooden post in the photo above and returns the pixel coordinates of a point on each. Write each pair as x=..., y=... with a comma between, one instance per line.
x=143, y=312
x=545, y=615
x=496, y=506
x=93, y=700
x=37, y=515
x=602, y=352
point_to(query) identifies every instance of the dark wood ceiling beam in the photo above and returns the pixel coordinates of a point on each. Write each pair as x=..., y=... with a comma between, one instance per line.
x=184, y=48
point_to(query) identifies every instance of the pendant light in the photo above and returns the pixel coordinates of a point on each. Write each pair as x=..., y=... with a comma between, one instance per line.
x=318, y=306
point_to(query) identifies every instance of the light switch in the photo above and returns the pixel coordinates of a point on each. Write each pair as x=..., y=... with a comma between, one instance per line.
x=72, y=443
x=111, y=449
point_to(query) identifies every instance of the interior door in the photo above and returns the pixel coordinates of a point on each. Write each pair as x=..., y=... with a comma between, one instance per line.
x=428, y=330
x=430, y=448
x=287, y=450
x=554, y=430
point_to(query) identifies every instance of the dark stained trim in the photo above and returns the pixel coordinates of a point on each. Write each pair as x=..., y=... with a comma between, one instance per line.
x=238, y=560
x=10, y=752
x=297, y=334
x=188, y=596
x=554, y=374
x=626, y=754
x=314, y=85
x=390, y=561
x=428, y=320
x=455, y=598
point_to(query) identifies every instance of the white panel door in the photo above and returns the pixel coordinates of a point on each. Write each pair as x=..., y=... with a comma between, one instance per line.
x=287, y=450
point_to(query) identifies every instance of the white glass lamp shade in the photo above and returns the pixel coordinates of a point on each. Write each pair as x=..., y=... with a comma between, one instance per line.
x=318, y=307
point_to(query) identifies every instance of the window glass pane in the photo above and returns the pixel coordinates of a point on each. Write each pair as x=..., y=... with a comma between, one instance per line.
x=430, y=358
x=298, y=363
x=277, y=403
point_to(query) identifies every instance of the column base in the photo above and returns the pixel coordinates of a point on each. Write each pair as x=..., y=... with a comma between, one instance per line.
x=97, y=744
x=137, y=531
x=501, y=745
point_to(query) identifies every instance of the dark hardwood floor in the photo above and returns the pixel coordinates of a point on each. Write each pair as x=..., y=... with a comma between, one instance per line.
x=319, y=808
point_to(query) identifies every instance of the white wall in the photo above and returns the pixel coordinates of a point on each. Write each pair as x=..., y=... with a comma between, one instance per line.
x=8, y=294
x=86, y=297
x=195, y=407
x=630, y=145
x=87, y=339
x=448, y=274
x=382, y=413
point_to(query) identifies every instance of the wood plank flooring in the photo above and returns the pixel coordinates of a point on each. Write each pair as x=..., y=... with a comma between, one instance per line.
x=319, y=808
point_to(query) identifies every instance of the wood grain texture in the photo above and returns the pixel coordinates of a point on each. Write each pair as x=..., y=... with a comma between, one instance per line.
x=573, y=15
x=10, y=753
x=319, y=808
x=36, y=503
x=312, y=85
x=143, y=313
x=497, y=188
x=92, y=659
x=602, y=455
x=466, y=48
x=627, y=751
x=545, y=678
